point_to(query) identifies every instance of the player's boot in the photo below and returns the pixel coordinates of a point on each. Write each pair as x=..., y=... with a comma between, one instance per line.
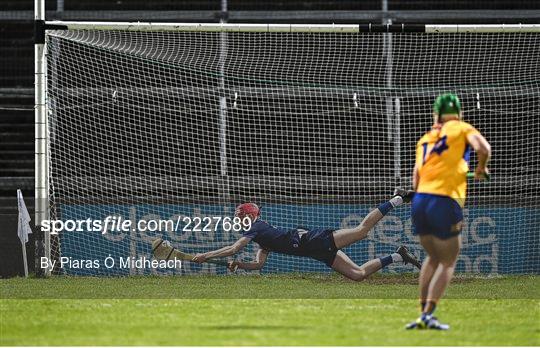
x=407, y=195
x=408, y=257
x=420, y=323
x=434, y=324
x=417, y=324
x=427, y=321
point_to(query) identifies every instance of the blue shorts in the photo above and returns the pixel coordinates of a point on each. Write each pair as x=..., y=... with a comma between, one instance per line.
x=319, y=244
x=434, y=214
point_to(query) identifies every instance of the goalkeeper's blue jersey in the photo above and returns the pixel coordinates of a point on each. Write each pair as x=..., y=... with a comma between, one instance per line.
x=275, y=239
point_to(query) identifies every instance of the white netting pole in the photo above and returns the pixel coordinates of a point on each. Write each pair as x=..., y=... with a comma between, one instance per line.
x=223, y=108
x=397, y=142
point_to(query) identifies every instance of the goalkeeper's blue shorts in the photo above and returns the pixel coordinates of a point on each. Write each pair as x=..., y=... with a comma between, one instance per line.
x=435, y=214
x=319, y=244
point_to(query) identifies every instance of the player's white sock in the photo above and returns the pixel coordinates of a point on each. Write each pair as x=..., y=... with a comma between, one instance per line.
x=396, y=201
x=396, y=257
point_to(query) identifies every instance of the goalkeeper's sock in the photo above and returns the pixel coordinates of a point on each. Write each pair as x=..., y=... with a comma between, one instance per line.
x=386, y=207
x=386, y=260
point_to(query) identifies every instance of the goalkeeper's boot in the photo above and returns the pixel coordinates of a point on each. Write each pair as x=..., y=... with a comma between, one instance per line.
x=408, y=257
x=407, y=195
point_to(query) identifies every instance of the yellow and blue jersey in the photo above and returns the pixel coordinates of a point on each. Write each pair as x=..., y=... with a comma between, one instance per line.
x=442, y=160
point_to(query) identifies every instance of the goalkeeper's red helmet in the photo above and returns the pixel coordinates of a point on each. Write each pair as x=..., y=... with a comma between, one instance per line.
x=245, y=209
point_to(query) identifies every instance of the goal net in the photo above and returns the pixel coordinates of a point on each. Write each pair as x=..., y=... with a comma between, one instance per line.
x=316, y=127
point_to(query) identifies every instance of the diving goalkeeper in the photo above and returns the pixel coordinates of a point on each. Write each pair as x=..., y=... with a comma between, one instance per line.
x=321, y=244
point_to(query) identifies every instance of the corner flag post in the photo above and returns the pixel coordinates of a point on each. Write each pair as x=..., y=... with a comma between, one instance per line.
x=23, y=228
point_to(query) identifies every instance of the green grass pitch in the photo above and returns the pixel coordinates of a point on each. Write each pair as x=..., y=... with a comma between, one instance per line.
x=263, y=310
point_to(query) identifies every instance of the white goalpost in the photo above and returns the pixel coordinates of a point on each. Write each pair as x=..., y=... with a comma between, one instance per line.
x=41, y=138
x=315, y=123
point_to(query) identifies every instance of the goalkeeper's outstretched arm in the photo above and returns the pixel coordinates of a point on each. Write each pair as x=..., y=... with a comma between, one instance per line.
x=260, y=260
x=223, y=252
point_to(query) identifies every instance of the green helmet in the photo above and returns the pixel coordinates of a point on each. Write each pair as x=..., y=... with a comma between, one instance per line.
x=447, y=103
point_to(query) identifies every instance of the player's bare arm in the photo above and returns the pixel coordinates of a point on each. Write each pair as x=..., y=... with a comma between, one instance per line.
x=260, y=260
x=483, y=150
x=223, y=252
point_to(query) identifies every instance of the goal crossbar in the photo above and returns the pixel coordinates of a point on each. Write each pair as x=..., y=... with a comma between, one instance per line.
x=294, y=28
